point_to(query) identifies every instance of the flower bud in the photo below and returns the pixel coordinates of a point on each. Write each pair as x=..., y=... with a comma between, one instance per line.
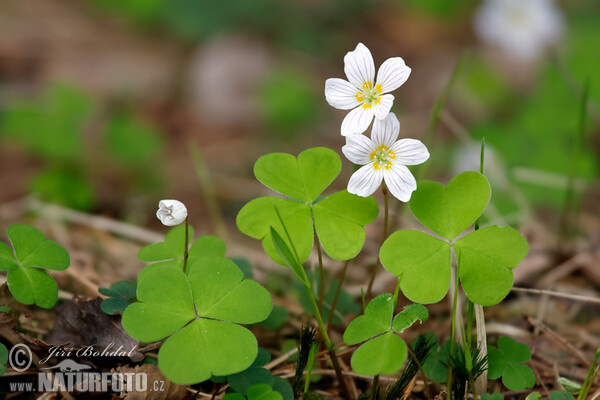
x=171, y=212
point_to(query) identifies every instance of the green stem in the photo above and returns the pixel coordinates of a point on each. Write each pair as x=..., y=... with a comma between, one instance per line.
x=185, y=251
x=384, y=190
x=374, y=388
x=589, y=379
x=337, y=295
x=452, y=332
x=326, y=340
x=321, y=271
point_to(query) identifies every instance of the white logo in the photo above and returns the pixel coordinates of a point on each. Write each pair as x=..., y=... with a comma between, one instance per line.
x=20, y=357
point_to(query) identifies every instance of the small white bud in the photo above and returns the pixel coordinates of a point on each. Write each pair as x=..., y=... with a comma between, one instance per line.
x=171, y=212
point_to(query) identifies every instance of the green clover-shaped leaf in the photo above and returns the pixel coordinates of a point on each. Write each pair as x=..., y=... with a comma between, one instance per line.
x=172, y=249
x=339, y=219
x=200, y=314
x=485, y=260
x=422, y=263
x=507, y=360
x=302, y=178
x=31, y=251
x=120, y=296
x=449, y=210
x=485, y=257
x=3, y=358
x=260, y=391
x=383, y=351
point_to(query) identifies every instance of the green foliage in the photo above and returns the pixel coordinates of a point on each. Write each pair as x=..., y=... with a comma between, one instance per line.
x=120, y=295
x=569, y=385
x=172, y=250
x=3, y=358
x=31, y=253
x=51, y=126
x=203, y=306
x=435, y=365
x=383, y=352
x=449, y=210
x=339, y=219
x=507, y=360
x=63, y=185
x=276, y=319
x=561, y=395
x=242, y=382
x=288, y=102
x=132, y=141
x=257, y=392
x=244, y=265
x=492, y=396
x=485, y=257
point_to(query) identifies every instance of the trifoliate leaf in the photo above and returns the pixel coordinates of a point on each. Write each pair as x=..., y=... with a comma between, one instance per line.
x=506, y=361
x=339, y=219
x=121, y=294
x=28, y=283
x=204, y=308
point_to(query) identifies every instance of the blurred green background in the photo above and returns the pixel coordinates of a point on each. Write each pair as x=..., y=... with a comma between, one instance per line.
x=102, y=101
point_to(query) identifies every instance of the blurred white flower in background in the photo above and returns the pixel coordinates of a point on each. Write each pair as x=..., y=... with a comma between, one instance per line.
x=171, y=212
x=384, y=158
x=361, y=93
x=524, y=29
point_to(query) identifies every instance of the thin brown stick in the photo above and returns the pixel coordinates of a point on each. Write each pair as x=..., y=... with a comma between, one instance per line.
x=552, y=335
x=569, y=296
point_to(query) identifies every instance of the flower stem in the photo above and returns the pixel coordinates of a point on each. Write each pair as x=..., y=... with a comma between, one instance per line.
x=337, y=295
x=321, y=271
x=452, y=332
x=185, y=250
x=384, y=190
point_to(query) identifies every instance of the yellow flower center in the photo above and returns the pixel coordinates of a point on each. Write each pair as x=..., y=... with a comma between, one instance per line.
x=369, y=95
x=382, y=157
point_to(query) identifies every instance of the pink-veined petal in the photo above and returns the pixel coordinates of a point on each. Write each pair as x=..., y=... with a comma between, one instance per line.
x=410, y=152
x=392, y=74
x=359, y=66
x=358, y=149
x=385, y=131
x=383, y=107
x=365, y=181
x=400, y=182
x=341, y=94
x=357, y=120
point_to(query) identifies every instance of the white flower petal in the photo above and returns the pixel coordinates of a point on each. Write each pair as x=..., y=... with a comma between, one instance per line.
x=357, y=121
x=392, y=74
x=410, y=152
x=365, y=181
x=359, y=66
x=358, y=149
x=385, y=131
x=400, y=182
x=383, y=107
x=341, y=94
x=171, y=212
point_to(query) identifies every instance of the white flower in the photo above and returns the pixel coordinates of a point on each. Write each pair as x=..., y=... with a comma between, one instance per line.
x=361, y=92
x=522, y=28
x=171, y=212
x=384, y=158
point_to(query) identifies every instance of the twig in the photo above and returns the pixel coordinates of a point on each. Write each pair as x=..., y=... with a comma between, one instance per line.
x=552, y=335
x=569, y=296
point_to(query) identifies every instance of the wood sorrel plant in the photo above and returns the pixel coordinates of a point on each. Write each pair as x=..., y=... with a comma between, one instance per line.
x=195, y=296
x=31, y=253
